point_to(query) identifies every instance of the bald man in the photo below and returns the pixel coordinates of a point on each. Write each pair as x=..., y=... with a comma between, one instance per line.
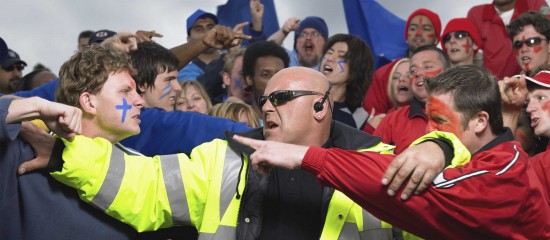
x=212, y=189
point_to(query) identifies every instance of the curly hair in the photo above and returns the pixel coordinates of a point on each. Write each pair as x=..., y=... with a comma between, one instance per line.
x=262, y=49
x=538, y=20
x=87, y=71
x=361, y=67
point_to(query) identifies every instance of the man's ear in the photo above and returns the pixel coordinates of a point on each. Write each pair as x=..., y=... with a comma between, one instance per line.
x=481, y=121
x=87, y=103
x=142, y=88
x=474, y=46
x=226, y=79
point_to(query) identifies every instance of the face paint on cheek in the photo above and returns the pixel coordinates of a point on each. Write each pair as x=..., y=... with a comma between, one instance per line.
x=341, y=65
x=168, y=87
x=124, y=107
x=467, y=46
x=537, y=49
x=438, y=108
x=431, y=35
x=546, y=106
x=433, y=73
x=238, y=83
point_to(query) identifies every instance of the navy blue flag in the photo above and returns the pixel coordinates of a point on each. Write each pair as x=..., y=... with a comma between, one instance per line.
x=381, y=29
x=238, y=11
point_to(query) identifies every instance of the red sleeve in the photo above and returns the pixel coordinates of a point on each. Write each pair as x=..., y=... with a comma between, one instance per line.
x=541, y=167
x=377, y=95
x=457, y=210
x=368, y=128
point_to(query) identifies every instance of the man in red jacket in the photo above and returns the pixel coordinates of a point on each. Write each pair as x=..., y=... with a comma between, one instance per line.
x=493, y=195
x=491, y=21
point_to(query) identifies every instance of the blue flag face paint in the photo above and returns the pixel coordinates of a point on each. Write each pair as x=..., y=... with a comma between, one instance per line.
x=341, y=65
x=124, y=107
x=168, y=87
x=238, y=83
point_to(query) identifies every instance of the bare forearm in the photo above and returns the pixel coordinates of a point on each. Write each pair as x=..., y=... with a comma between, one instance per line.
x=24, y=109
x=186, y=52
x=278, y=37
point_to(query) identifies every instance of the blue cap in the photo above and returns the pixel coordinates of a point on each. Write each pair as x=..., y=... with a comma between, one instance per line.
x=198, y=15
x=316, y=23
x=12, y=58
x=100, y=36
x=3, y=50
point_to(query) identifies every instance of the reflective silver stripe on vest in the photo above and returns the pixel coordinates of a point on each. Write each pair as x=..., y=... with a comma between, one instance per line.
x=231, y=167
x=175, y=189
x=349, y=232
x=109, y=189
x=372, y=228
x=222, y=233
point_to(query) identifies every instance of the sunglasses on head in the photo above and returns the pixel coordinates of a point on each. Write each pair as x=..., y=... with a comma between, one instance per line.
x=10, y=68
x=530, y=42
x=457, y=35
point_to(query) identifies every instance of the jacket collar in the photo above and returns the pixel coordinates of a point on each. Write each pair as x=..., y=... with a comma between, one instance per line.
x=505, y=136
x=417, y=109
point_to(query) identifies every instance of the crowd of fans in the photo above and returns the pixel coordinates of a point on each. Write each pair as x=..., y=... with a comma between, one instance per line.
x=479, y=88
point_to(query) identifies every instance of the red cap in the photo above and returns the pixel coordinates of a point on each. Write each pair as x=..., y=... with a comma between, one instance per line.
x=542, y=79
x=430, y=15
x=462, y=24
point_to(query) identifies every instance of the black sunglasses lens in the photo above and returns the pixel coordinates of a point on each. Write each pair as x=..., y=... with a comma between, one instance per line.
x=447, y=38
x=531, y=42
x=460, y=35
x=517, y=44
x=262, y=101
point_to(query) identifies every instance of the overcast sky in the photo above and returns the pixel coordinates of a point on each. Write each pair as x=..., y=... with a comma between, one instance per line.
x=46, y=31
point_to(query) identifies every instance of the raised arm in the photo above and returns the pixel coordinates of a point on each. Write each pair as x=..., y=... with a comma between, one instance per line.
x=290, y=25
x=218, y=37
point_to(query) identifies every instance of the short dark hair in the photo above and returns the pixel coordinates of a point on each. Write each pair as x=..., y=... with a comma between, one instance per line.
x=151, y=59
x=442, y=55
x=474, y=89
x=361, y=67
x=538, y=20
x=262, y=49
x=85, y=34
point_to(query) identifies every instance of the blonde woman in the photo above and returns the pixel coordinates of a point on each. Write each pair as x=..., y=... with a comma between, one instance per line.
x=193, y=98
x=237, y=111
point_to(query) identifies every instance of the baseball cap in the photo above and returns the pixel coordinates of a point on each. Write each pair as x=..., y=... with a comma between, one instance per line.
x=198, y=15
x=11, y=59
x=3, y=50
x=542, y=79
x=100, y=36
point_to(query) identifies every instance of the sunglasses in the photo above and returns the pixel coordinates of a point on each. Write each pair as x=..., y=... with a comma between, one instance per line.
x=283, y=96
x=10, y=68
x=457, y=35
x=530, y=42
